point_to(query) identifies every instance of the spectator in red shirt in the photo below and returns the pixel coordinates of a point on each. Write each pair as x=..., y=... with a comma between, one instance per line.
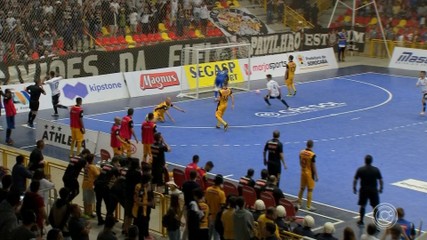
x=148, y=129
x=10, y=110
x=77, y=126
x=126, y=132
x=34, y=202
x=202, y=172
x=192, y=166
x=116, y=141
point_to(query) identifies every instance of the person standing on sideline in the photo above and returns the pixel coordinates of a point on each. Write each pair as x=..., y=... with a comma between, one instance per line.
x=422, y=83
x=291, y=67
x=342, y=43
x=148, y=129
x=10, y=110
x=77, y=126
x=35, y=91
x=126, y=132
x=307, y=160
x=158, y=164
x=36, y=161
x=273, y=91
x=224, y=94
x=407, y=227
x=116, y=141
x=369, y=177
x=275, y=156
x=53, y=82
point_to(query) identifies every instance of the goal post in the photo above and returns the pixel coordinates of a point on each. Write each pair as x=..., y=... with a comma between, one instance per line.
x=200, y=65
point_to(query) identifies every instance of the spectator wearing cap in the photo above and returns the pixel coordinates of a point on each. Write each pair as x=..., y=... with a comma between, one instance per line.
x=259, y=209
x=246, y=180
x=203, y=173
x=371, y=231
x=174, y=190
x=243, y=221
x=280, y=220
x=328, y=230
x=268, y=217
x=305, y=229
x=215, y=198
x=407, y=227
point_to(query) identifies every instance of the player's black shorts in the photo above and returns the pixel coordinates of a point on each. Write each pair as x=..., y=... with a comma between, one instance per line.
x=271, y=97
x=34, y=105
x=274, y=168
x=55, y=99
x=372, y=196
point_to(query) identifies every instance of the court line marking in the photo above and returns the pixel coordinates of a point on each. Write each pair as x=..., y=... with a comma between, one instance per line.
x=191, y=100
x=389, y=98
x=321, y=227
x=393, y=75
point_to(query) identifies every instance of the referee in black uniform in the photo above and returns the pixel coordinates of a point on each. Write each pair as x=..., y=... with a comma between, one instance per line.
x=275, y=156
x=35, y=91
x=369, y=177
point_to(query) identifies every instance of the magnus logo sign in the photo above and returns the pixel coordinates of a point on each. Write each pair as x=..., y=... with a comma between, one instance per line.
x=158, y=80
x=411, y=58
x=82, y=90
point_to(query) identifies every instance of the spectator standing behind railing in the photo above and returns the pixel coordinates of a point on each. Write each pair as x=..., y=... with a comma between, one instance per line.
x=45, y=186
x=20, y=174
x=34, y=202
x=60, y=212
x=270, y=8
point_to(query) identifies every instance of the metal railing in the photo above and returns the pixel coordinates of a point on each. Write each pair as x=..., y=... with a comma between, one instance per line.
x=376, y=48
x=294, y=20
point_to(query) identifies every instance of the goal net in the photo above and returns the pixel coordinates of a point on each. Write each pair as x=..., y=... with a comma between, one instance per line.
x=200, y=65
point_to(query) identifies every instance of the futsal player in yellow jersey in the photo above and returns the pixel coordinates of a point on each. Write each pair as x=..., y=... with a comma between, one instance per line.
x=162, y=108
x=308, y=174
x=289, y=76
x=224, y=94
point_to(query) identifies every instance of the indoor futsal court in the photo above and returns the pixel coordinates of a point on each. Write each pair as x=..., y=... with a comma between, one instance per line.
x=347, y=112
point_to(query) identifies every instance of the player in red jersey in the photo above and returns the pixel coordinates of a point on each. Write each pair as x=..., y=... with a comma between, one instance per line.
x=116, y=141
x=77, y=126
x=148, y=129
x=126, y=132
x=10, y=110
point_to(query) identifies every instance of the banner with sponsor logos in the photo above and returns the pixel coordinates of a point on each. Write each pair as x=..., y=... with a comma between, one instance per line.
x=307, y=61
x=93, y=63
x=93, y=89
x=149, y=82
x=59, y=135
x=207, y=73
x=409, y=59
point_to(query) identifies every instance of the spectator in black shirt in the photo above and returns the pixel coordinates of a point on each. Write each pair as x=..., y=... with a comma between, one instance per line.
x=275, y=156
x=158, y=149
x=246, y=180
x=19, y=176
x=133, y=177
x=72, y=172
x=189, y=186
x=35, y=91
x=6, y=182
x=262, y=182
x=37, y=158
x=60, y=212
x=79, y=227
x=272, y=187
x=369, y=177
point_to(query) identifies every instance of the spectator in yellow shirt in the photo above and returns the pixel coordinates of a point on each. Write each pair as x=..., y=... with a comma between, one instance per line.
x=227, y=218
x=91, y=172
x=269, y=216
x=215, y=198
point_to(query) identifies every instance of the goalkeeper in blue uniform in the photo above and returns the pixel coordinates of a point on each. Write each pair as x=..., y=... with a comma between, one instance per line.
x=221, y=77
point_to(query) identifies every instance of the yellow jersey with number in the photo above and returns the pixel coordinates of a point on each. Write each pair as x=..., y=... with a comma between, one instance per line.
x=290, y=68
x=224, y=94
x=307, y=158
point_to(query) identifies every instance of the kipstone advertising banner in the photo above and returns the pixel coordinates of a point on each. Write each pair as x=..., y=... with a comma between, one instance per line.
x=409, y=59
x=150, y=82
x=59, y=135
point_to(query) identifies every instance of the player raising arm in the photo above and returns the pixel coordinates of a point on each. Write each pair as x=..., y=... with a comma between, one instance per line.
x=422, y=83
x=221, y=77
x=162, y=109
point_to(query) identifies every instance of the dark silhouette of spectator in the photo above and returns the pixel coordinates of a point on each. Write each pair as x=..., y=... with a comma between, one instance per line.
x=143, y=202
x=262, y=182
x=371, y=231
x=314, y=14
x=133, y=177
x=349, y=234
x=8, y=219
x=60, y=212
x=243, y=221
x=54, y=234
x=133, y=233
x=270, y=229
x=272, y=187
x=72, y=172
x=78, y=226
x=270, y=9
x=20, y=174
x=107, y=233
x=25, y=230
x=6, y=183
x=34, y=202
x=174, y=214
x=36, y=157
x=246, y=180
x=203, y=174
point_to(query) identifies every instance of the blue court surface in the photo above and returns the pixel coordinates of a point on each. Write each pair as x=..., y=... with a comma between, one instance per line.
x=347, y=117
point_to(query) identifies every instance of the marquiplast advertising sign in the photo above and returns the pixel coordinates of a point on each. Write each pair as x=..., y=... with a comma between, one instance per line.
x=205, y=73
x=149, y=82
x=409, y=58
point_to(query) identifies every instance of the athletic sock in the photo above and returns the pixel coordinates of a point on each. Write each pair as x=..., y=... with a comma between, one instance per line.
x=284, y=102
x=424, y=107
x=267, y=101
x=30, y=114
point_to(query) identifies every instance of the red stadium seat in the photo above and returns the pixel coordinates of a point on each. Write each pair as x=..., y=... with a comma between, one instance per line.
x=178, y=176
x=121, y=40
x=249, y=194
x=230, y=189
x=268, y=199
x=290, y=210
x=210, y=182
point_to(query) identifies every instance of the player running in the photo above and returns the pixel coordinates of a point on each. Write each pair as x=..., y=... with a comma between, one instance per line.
x=289, y=76
x=422, y=82
x=221, y=77
x=224, y=94
x=53, y=82
x=273, y=91
x=162, y=108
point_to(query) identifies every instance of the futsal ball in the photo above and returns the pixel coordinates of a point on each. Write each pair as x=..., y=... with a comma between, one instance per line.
x=257, y=91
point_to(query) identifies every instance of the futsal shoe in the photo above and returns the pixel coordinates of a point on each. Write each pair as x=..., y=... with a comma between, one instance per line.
x=217, y=127
x=311, y=209
x=225, y=127
x=422, y=113
x=295, y=93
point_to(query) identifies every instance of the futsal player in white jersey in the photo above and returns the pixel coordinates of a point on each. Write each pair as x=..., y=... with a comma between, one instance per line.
x=53, y=82
x=273, y=91
x=422, y=83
